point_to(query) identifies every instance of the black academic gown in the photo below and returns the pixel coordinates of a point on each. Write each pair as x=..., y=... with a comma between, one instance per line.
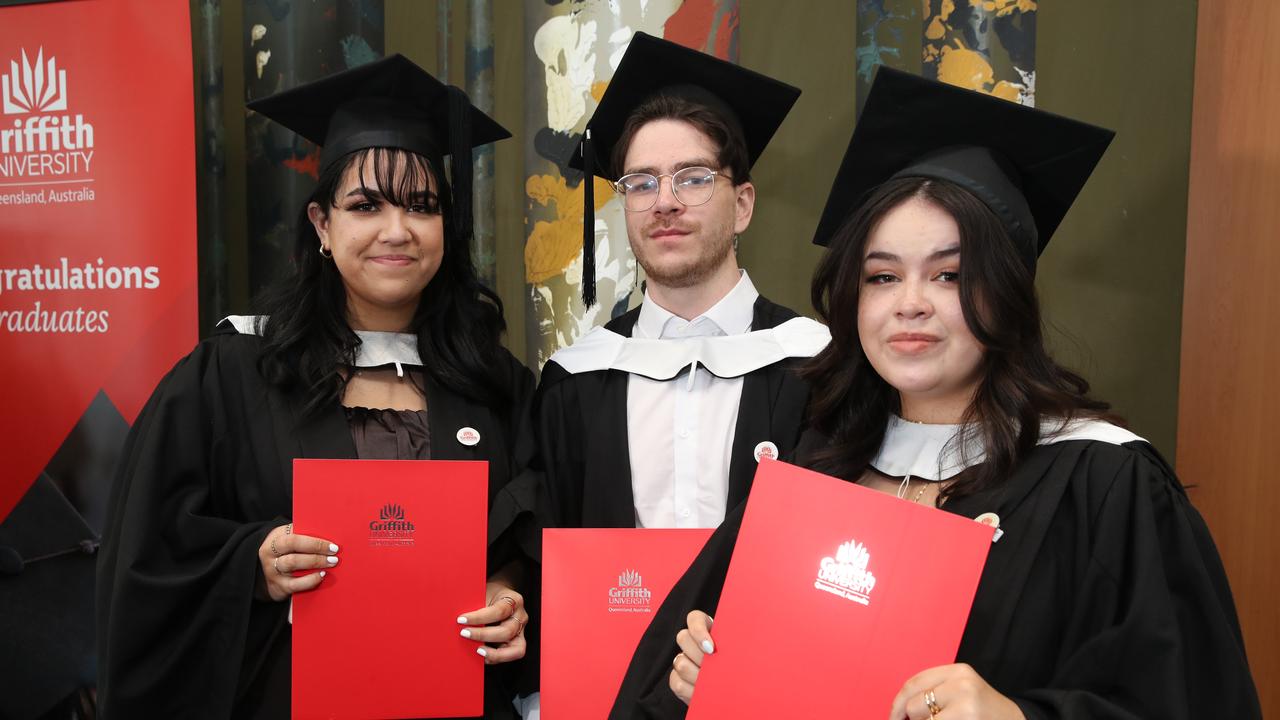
x=205, y=475
x=581, y=423
x=1105, y=598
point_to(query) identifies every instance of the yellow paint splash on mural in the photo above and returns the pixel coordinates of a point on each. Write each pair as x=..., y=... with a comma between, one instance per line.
x=552, y=245
x=1004, y=7
x=965, y=68
x=1006, y=90
x=937, y=27
x=597, y=89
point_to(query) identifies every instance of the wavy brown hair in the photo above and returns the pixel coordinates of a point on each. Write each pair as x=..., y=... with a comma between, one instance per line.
x=1020, y=383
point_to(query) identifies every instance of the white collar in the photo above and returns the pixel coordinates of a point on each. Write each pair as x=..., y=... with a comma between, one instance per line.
x=725, y=356
x=375, y=349
x=926, y=451
x=731, y=315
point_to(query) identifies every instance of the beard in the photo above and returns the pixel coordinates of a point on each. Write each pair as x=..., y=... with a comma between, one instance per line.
x=714, y=245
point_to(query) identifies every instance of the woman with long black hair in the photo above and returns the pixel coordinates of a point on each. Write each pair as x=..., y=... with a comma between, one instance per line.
x=1104, y=597
x=381, y=344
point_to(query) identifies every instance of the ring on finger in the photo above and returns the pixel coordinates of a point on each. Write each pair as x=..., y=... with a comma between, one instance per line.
x=510, y=600
x=931, y=702
x=276, y=564
x=288, y=529
x=273, y=548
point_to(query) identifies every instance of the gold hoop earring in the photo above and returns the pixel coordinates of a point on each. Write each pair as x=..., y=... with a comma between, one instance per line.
x=325, y=252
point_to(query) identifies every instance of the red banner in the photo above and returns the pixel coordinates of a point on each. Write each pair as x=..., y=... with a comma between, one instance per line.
x=97, y=216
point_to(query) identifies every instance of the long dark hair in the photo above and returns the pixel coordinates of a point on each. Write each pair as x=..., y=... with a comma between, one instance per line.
x=1020, y=384
x=458, y=322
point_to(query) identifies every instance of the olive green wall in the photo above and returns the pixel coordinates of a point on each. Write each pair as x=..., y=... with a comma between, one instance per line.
x=1111, y=281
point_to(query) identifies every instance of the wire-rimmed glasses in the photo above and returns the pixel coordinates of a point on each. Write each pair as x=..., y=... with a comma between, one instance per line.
x=691, y=186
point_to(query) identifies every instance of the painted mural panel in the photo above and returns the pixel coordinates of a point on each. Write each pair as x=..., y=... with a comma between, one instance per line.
x=888, y=34
x=572, y=49
x=987, y=45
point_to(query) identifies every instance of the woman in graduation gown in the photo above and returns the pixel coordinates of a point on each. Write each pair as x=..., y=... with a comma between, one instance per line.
x=1104, y=596
x=382, y=344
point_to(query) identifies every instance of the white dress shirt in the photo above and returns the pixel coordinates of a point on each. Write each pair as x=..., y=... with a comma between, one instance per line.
x=680, y=431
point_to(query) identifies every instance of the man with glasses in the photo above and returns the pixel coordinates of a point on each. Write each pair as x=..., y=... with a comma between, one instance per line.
x=658, y=419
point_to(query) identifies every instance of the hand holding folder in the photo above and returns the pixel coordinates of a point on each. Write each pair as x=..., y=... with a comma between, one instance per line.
x=889, y=584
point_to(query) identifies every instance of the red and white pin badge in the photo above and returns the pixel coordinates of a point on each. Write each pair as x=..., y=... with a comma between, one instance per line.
x=991, y=520
x=468, y=436
x=766, y=451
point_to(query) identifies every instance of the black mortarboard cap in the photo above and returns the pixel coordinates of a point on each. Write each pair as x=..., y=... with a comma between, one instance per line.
x=755, y=104
x=1027, y=165
x=46, y=587
x=389, y=103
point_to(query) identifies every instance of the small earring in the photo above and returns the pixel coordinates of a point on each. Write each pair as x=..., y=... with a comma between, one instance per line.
x=325, y=252
x=735, y=243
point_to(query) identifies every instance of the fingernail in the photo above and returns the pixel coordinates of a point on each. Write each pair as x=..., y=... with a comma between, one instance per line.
x=321, y=573
x=333, y=560
x=466, y=632
x=482, y=652
x=462, y=619
x=707, y=647
x=333, y=548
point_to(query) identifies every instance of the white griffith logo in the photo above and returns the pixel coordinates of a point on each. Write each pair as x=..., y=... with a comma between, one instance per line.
x=630, y=595
x=39, y=87
x=846, y=574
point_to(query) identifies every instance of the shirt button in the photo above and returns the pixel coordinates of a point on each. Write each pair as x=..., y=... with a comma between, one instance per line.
x=684, y=433
x=686, y=512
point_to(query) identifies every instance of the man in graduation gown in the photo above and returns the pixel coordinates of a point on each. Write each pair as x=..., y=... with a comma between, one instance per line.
x=659, y=418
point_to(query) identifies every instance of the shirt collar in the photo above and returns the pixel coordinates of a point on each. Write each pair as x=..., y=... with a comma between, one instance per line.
x=732, y=315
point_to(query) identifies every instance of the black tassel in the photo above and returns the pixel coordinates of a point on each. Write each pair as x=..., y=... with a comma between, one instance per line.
x=588, y=221
x=460, y=162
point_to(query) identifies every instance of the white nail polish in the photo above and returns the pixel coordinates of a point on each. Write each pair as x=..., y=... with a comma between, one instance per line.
x=707, y=647
x=333, y=548
x=482, y=652
x=321, y=573
x=462, y=619
x=332, y=560
x=466, y=633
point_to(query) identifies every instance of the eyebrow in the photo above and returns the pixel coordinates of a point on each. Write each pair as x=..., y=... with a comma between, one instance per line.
x=696, y=162
x=372, y=194
x=936, y=255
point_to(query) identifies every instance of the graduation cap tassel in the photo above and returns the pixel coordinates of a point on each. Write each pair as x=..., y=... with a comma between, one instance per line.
x=588, y=221
x=460, y=161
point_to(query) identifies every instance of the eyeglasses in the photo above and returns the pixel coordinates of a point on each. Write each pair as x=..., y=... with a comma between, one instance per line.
x=691, y=186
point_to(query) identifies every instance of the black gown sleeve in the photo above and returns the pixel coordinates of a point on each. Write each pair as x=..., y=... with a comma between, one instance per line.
x=178, y=565
x=645, y=692
x=1151, y=630
x=559, y=437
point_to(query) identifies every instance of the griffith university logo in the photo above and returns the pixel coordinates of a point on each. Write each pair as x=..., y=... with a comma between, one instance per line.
x=39, y=88
x=846, y=574
x=42, y=142
x=391, y=528
x=630, y=594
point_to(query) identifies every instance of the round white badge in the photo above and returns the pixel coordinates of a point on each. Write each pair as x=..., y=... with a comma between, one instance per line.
x=766, y=451
x=468, y=436
x=989, y=519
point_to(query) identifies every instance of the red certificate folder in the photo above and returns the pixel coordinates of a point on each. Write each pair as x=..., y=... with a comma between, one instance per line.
x=836, y=595
x=379, y=637
x=608, y=583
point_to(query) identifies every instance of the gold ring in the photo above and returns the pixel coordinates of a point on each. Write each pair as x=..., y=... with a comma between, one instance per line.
x=276, y=564
x=931, y=702
x=273, y=548
x=510, y=600
x=288, y=529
